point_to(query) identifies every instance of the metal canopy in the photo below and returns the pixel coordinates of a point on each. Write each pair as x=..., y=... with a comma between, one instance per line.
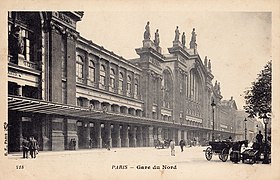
x=24, y=104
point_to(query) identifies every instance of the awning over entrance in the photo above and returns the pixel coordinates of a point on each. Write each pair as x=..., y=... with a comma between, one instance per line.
x=23, y=104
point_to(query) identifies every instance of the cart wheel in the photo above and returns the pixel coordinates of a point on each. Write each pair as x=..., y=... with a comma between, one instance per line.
x=224, y=155
x=208, y=153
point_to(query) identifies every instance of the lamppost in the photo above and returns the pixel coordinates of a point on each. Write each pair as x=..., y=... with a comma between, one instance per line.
x=265, y=121
x=245, y=120
x=213, y=129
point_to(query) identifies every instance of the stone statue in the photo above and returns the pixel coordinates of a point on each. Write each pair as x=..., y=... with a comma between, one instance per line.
x=193, y=35
x=177, y=34
x=216, y=85
x=193, y=40
x=205, y=61
x=209, y=64
x=156, y=41
x=219, y=88
x=184, y=39
x=147, y=34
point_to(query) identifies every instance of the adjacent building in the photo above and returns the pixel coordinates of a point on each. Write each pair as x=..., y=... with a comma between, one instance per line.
x=63, y=88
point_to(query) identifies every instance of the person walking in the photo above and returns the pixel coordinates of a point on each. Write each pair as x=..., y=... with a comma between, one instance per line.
x=182, y=144
x=172, y=147
x=33, y=147
x=259, y=137
x=25, y=147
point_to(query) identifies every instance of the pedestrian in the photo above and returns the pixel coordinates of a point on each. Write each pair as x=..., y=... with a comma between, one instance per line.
x=25, y=147
x=90, y=143
x=74, y=144
x=182, y=144
x=172, y=146
x=33, y=146
x=259, y=137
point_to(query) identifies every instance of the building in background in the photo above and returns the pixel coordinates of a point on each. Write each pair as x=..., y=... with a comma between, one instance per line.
x=64, y=88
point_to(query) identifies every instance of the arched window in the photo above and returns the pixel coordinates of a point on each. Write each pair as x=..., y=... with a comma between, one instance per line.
x=128, y=85
x=79, y=67
x=120, y=82
x=102, y=76
x=136, y=88
x=91, y=71
x=112, y=79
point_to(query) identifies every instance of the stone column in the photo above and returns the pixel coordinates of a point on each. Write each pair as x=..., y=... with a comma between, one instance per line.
x=185, y=135
x=125, y=136
x=159, y=133
x=108, y=132
x=87, y=135
x=97, y=105
x=57, y=134
x=117, y=133
x=140, y=136
x=151, y=136
x=98, y=135
x=117, y=108
x=179, y=135
x=133, y=137
x=108, y=106
x=71, y=131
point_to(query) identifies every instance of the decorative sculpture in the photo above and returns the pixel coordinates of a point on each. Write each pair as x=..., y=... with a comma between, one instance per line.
x=147, y=34
x=184, y=39
x=209, y=64
x=205, y=61
x=156, y=41
x=177, y=34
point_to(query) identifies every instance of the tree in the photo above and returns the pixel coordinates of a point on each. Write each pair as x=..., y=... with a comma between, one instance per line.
x=258, y=97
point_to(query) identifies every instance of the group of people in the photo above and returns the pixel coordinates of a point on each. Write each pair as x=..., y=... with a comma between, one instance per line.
x=182, y=143
x=30, y=146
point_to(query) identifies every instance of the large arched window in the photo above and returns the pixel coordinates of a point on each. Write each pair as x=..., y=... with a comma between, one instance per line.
x=120, y=82
x=79, y=67
x=128, y=85
x=136, y=88
x=112, y=80
x=91, y=71
x=102, y=76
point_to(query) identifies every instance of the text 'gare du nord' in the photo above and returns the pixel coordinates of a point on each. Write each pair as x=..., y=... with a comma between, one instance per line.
x=62, y=86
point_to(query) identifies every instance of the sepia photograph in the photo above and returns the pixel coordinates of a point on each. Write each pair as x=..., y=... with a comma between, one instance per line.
x=143, y=90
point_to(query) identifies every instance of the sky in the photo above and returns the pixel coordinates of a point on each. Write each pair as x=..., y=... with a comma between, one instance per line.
x=238, y=43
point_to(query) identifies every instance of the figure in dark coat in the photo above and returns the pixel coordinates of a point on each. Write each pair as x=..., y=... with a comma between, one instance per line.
x=182, y=144
x=33, y=147
x=25, y=147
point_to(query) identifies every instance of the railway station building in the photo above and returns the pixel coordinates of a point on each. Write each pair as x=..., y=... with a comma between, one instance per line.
x=62, y=87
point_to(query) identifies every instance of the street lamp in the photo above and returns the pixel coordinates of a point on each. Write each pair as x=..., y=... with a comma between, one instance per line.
x=265, y=121
x=213, y=129
x=245, y=120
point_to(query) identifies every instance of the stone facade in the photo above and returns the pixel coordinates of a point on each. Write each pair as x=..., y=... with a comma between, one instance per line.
x=64, y=87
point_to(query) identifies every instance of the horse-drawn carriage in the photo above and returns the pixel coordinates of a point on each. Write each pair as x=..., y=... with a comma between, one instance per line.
x=226, y=148
x=256, y=153
x=162, y=143
x=220, y=148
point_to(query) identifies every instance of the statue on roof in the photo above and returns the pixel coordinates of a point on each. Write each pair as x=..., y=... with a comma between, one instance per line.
x=205, y=61
x=193, y=40
x=147, y=34
x=209, y=64
x=219, y=88
x=156, y=41
x=177, y=34
x=184, y=39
